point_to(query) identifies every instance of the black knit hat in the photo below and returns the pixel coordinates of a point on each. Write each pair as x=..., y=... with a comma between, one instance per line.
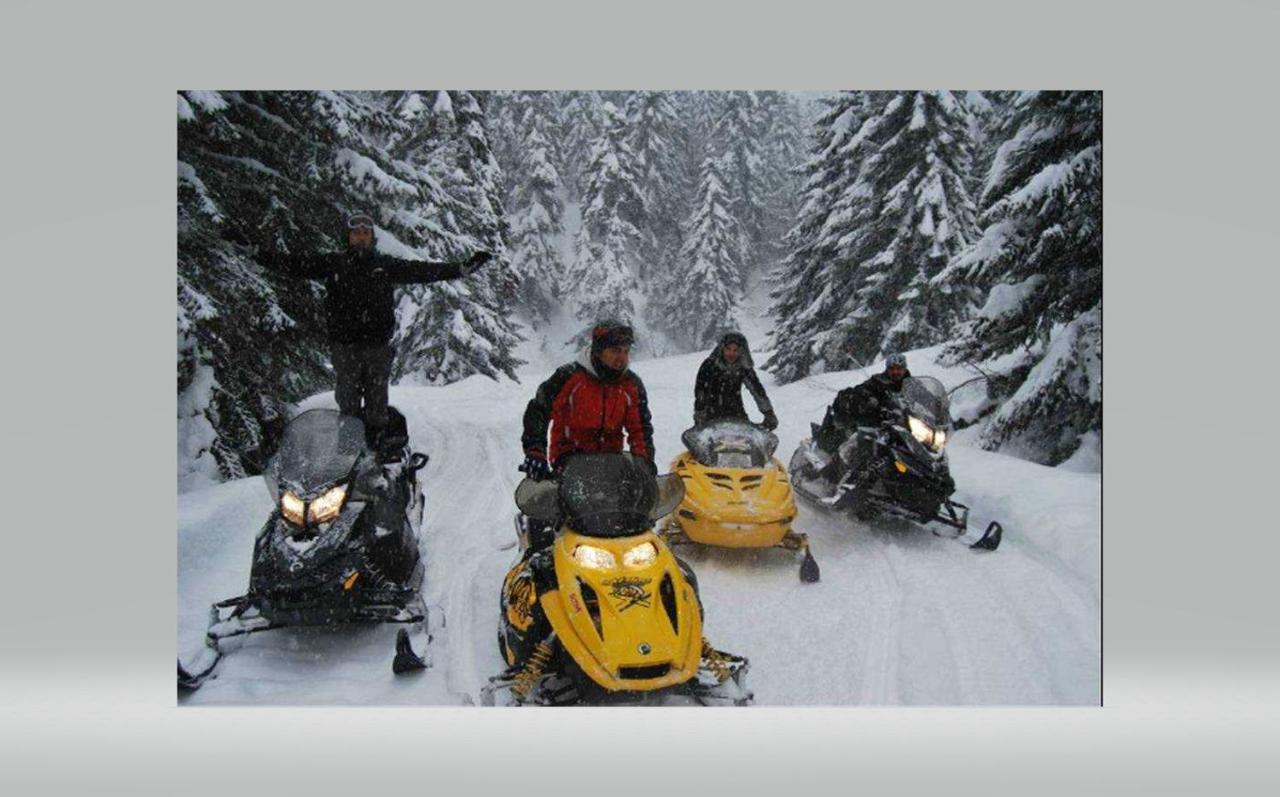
x=610, y=333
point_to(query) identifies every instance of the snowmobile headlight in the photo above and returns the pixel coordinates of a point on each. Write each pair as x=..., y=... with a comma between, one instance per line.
x=327, y=506
x=292, y=508
x=594, y=558
x=642, y=555
x=920, y=430
x=926, y=434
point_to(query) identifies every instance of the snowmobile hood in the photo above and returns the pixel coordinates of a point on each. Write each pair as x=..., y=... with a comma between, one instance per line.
x=631, y=626
x=734, y=507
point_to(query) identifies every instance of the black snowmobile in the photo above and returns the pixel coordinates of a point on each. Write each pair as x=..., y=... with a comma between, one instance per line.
x=898, y=468
x=341, y=544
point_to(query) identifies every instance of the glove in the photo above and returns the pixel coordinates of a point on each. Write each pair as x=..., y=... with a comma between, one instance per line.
x=475, y=261
x=770, y=421
x=536, y=466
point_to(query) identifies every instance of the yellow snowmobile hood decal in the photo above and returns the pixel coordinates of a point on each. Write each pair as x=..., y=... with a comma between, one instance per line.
x=630, y=627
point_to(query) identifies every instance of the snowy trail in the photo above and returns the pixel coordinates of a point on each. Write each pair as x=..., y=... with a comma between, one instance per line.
x=899, y=617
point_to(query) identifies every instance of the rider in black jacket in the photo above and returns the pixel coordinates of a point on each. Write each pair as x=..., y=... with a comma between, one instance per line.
x=863, y=405
x=360, y=312
x=718, y=392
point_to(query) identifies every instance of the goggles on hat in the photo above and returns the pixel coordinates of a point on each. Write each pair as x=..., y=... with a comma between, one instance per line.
x=606, y=336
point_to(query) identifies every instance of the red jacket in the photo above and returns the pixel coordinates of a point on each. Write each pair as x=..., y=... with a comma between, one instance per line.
x=587, y=413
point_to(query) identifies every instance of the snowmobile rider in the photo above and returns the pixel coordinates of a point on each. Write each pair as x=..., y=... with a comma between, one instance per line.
x=863, y=405
x=360, y=313
x=589, y=404
x=718, y=392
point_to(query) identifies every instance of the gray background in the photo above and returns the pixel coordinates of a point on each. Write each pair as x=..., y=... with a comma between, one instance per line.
x=87, y=569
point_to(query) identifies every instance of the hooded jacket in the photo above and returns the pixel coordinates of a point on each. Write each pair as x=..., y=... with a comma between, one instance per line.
x=359, y=300
x=718, y=391
x=587, y=413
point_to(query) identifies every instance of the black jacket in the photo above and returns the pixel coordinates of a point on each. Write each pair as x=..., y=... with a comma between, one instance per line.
x=863, y=405
x=718, y=391
x=359, y=300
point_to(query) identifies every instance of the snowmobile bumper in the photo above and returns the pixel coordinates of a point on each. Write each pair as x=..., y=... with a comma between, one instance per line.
x=720, y=679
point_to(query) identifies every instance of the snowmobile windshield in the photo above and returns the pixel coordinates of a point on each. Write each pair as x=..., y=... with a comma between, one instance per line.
x=319, y=448
x=731, y=444
x=926, y=398
x=614, y=495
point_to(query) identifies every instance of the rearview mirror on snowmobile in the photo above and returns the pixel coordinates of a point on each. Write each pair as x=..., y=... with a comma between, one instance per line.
x=670, y=494
x=539, y=500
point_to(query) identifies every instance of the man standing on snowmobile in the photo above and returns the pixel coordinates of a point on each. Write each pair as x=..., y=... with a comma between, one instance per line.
x=360, y=313
x=589, y=404
x=718, y=392
x=863, y=405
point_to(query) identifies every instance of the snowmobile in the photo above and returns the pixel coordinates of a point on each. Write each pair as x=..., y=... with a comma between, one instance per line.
x=340, y=545
x=607, y=614
x=905, y=474
x=737, y=494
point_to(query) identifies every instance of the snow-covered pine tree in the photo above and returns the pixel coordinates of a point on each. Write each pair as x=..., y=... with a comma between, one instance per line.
x=805, y=309
x=654, y=139
x=1039, y=260
x=736, y=140
x=782, y=153
x=890, y=229
x=504, y=112
x=541, y=109
x=537, y=227
x=602, y=279
x=988, y=117
x=697, y=111
x=579, y=117
x=450, y=330
x=602, y=275
x=709, y=264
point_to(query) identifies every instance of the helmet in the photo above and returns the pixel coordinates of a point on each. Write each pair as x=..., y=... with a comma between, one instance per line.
x=610, y=333
x=895, y=361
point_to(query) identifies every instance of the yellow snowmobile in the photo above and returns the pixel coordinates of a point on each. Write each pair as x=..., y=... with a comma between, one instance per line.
x=737, y=494
x=607, y=614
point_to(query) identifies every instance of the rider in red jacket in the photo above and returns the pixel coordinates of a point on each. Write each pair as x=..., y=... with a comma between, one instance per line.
x=590, y=405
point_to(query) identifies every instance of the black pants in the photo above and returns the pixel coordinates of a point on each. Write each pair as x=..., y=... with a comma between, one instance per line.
x=361, y=374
